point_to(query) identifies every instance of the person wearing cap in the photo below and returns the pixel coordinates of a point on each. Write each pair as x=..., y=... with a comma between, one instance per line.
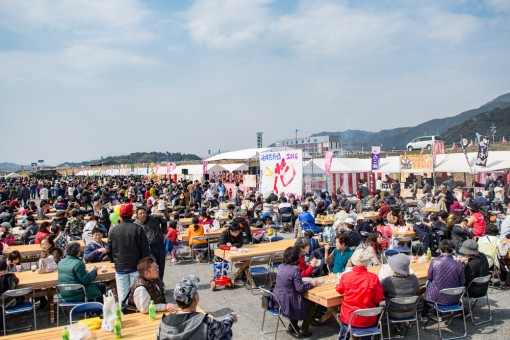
x=401, y=284
x=444, y=272
x=31, y=229
x=344, y=213
x=127, y=245
x=476, y=265
x=476, y=221
x=187, y=323
x=155, y=227
x=148, y=286
x=360, y=289
x=353, y=235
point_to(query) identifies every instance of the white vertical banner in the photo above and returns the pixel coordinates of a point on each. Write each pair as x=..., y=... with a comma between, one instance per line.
x=282, y=172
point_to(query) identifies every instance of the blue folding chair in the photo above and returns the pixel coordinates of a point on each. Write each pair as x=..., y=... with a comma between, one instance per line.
x=360, y=332
x=483, y=280
x=275, y=311
x=84, y=308
x=261, y=268
x=449, y=309
x=67, y=288
x=26, y=306
x=412, y=302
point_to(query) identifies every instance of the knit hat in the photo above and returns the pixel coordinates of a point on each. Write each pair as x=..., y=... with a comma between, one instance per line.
x=186, y=288
x=126, y=210
x=399, y=264
x=469, y=247
x=360, y=258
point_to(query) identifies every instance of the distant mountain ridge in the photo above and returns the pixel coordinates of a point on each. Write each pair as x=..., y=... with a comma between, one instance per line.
x=398, y=138
x=5, y=167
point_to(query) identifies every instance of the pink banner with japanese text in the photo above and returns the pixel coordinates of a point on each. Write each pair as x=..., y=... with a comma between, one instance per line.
x=328, y=159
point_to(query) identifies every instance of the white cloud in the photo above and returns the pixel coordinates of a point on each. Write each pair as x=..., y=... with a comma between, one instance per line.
x=499, y=5
x=450, y=27
x=226, y=23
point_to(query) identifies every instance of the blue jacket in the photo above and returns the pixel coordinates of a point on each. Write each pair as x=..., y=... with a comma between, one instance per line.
x=306, y=217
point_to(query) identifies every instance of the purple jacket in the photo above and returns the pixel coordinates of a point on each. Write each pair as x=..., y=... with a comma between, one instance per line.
x=288, y=291
x=444, y=272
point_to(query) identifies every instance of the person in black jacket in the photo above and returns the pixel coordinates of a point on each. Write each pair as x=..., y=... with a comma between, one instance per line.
x=460, y=233
x=233, y=236
x=127, y=245
x=155, y=229
x=31, y=230
x=476, y=265
x=104, y=217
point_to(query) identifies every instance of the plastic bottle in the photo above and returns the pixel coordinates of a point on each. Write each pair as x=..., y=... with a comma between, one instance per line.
x=152, y=311
x=429, y=254
x=65, y=334
x=117, y=329
x=118, y=312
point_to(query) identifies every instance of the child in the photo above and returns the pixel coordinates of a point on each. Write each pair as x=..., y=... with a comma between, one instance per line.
x=14, y=262
x=171, y=241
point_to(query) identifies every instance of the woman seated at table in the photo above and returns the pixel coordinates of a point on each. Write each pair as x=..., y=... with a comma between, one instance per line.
x=48, y=248
x=373, y=248
x=148, y=286
x=386, y=232
x=395, y=217
x=71, y=270
x=195, y=229
x=360, y=289
x=460, y=232
x=303, y=245
x=5, y=236
x=444, y=272
x=288, y=291
x=44, y=231
x=340, y=255
x=306, y=219
x=401, y=284
x=476, y=221
x=95, y=251
x=205, y=219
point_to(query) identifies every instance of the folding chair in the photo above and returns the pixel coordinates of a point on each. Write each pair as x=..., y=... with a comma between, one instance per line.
x=261, y=268
x=403, y=249
x=494, y=271
x=449, y=309
x=272, y=311
x=286, y=221
x=276, y=261
x=483, y=280
x=200, y=250
x=388, y=253
x=26, y=306
x=84, y=308
x=359, y=332
x=403, y=301
x=68, y=288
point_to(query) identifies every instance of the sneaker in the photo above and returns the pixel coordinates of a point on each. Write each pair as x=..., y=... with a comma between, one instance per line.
x=174, y=260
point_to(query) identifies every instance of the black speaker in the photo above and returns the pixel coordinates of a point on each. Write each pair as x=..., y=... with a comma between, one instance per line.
x=206, y=177
x=184, y=171
x=254, y=170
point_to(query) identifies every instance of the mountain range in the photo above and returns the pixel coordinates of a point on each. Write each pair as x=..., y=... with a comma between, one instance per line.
x=398, y=138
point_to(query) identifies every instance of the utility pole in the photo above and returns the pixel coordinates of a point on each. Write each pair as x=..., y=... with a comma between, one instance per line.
x=493, y=130
x=295, y=140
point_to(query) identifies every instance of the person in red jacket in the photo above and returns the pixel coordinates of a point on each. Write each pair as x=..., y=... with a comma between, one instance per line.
x=44, y=231
x=384, y=209
x=360, y=289
x=303, y=245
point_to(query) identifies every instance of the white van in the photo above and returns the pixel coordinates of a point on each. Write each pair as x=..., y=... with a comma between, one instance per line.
x=423, y=142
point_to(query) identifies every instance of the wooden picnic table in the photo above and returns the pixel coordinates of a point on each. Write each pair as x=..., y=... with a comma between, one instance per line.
x=371, y=215
x=211, y=234
x=433, y=208
x=31, y=252
x=243, y=257
x=406, y=233
x=325, y=221
x=326, y=295
x=45, y=284
x=134, y=326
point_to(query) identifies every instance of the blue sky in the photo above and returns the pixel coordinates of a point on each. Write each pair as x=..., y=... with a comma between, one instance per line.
x=84, y=78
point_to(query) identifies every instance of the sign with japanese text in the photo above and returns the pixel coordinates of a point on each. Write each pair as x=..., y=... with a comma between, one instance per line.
x=416, y=162
x=376, y=157
x=281, y=172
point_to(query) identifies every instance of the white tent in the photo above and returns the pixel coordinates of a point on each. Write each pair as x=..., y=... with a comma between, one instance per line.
x=13, y=175
x=456, y=162
x=232, y=167
x=238, y=155
x=389, y=165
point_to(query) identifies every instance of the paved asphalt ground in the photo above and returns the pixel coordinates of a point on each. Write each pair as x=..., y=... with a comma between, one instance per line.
x=248, y=307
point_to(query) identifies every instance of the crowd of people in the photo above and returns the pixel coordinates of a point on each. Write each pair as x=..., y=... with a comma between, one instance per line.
x=140, y=219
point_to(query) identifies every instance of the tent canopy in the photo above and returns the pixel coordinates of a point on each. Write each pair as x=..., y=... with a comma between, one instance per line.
x=13, y=175
x=238, y=155
x=456, y=162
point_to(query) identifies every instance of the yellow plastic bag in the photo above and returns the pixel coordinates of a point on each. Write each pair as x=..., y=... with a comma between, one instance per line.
x=92, y=323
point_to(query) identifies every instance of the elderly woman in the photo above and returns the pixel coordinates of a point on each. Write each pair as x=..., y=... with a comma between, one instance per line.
x=72, y=270
x=288, y=291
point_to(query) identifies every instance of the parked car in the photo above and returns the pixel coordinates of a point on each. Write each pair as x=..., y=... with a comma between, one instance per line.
x=423, y=142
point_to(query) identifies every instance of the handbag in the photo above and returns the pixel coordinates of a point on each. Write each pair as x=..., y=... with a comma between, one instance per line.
x=47, y=264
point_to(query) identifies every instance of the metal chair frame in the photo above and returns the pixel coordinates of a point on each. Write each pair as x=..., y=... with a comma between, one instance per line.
x=403, y=301
x=360, y=332
x=274, y=312
x=67, y=288
x=276, y=259
x=458, y=307
x=479, y=280
x=288, y=224
x=201, y=250
x=258, y=270
x=85, y=308
x=13, y=293
x=494, y=272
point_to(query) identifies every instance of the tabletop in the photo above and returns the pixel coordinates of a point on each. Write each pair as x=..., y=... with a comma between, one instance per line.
x=326, y=295
x=27, y=278
x=211, y=234
x=372, y=215
x=34, y=250
x=266, y=248
x=406, y=233
x=432, y=208
x=324, y=220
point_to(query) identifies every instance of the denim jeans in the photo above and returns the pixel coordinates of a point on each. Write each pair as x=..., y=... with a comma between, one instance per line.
x=124, y=283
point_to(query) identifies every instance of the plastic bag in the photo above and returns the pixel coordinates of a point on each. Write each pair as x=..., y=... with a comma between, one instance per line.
x=109, y=311
x=385, y=272
x=47, y=264
x=92, y=323
x=79, y=331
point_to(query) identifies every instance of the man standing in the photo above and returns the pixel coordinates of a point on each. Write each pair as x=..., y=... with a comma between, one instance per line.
x=127, y=245
x=155, y=229
x=24, y=194
x=102, y=213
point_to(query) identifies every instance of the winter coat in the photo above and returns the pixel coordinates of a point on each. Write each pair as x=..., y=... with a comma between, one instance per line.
x=288, y=291
x=72, y=270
